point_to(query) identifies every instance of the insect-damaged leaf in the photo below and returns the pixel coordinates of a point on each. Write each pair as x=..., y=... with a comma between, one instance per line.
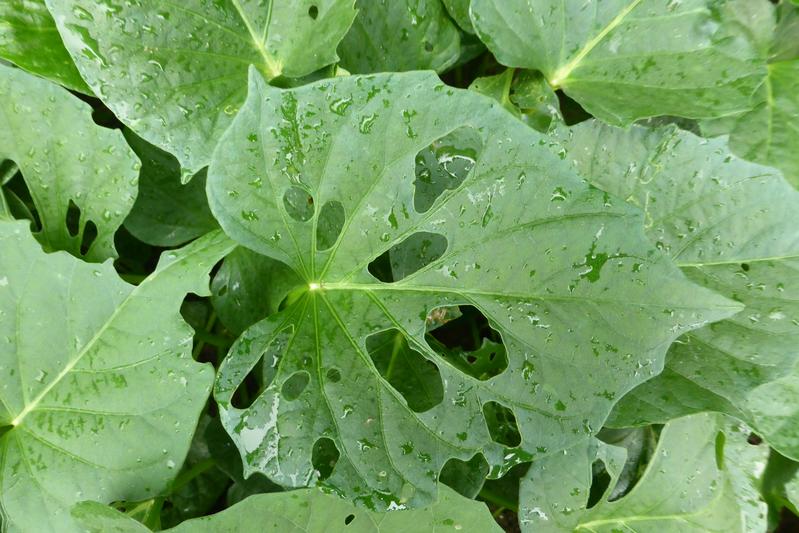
x=175, y=72
x=585, y=307
x=628, y=59
x=731, y=226
x=97, y=391
x=65, y=158
x=698, y=480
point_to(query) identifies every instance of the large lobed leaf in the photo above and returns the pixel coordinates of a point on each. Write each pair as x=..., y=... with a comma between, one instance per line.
x=175, y=72
x=628, y=59
x=324, y=179
x=66, y=158
x=731, y=227
x=100, y=392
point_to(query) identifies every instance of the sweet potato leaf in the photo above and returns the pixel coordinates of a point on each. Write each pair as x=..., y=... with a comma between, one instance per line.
x=176, y=72
x=400, y=35
x=118, y=363
x=768, y=133
x=623, y=60
x=730, y=225
x=166, y=212
x=459, y=11
x=556, y=267
x=30, y=40
x=696, y=482
x=309, y=511
x=65, y=158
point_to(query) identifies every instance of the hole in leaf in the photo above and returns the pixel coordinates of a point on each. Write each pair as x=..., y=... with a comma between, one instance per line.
x=72, y=220
x=20, y=201
x=324, y=457
x=599, y=483
x=466, y=477
x=754, y=439
x=294, y=385
x=262, y=372
x=463, y=336
x=334, y=375
x=428, y=46
x=444, y=164
x=8, y=169
x=745, y=267
x=328, y=227
x=89, y=235
x=313, y=12
x=409, y=256
x=299, y=204
x=349, y=519
x=501, y=424
x=417, y=379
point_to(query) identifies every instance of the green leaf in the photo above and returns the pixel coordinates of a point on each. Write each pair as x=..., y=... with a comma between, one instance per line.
x=309, y=511
x=248, y=287
x=400, y=35
x=557, y=267
x=768, y=133
x=525, y=93
x=623, y=60
x=30, y=40
x=731, y=226
x=98, y=384
x=459, y=11
x=176, y=72
x=690, y=485
x=66, y=158
x=166, y=213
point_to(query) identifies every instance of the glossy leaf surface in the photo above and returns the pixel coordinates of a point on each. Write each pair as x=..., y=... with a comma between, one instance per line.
x=623, y=60
x=93, y=405
x=731, y=226
x=689, y=486
x=29, y=39
x=65, y=158
x=176, y=72
x=400, y=35
x=544, y=257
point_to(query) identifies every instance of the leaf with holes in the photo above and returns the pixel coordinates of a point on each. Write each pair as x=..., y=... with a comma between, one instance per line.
x=400, y=35
x=628, y=59
x=325, y=178
x=175, y=71
x=81, y=177
x=696, y=482
x=309, y=511
x=116, y=364
x=731, y=227
x=29, y=39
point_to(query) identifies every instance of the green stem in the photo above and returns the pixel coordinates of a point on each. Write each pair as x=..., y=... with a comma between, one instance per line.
x=186, y=477
x=208, y=326
x=395, y=350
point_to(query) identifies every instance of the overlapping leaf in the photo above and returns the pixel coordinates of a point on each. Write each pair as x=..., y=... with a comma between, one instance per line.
x=310, y=511
x=176, y=71
x=322, y=178
x=769, y=132
x=66, y=158
x=99, y=403
x=623, y=60
x=731, y=226
x=29, y=39
x=694, y=483
x=400, y=35
x=166, y=212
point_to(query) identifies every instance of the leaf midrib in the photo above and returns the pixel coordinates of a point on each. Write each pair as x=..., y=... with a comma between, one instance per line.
x=95, y=338
x=273, y=67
